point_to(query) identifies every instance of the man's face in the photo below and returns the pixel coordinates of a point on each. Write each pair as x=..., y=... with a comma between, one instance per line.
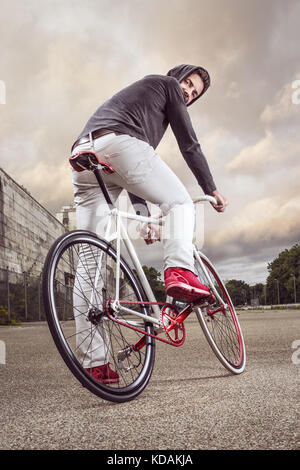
x=191, y=86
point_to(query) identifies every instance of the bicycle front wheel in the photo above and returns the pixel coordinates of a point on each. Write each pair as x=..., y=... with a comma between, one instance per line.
x=79, y=279
x=219, y=321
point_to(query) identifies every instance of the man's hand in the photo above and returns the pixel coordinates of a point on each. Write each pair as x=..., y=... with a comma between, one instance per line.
x=221, y=201
x=150, y=233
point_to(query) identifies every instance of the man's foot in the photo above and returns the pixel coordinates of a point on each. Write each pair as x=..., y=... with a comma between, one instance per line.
x=104, y=374
x=183, y=284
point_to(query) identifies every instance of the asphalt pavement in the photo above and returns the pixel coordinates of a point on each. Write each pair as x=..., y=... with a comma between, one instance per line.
x=190, y=403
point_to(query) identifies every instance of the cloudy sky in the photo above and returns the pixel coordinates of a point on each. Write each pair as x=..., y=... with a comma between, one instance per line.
x=61, y=59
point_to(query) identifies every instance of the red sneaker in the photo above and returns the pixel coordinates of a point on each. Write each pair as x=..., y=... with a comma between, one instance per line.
x=183, y=284
x=104, y=374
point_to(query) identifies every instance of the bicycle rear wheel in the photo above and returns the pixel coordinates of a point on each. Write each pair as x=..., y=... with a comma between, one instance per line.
x=79, y=279
x=220, y=324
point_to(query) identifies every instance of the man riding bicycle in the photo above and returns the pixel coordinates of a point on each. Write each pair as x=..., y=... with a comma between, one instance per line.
x=124, y=132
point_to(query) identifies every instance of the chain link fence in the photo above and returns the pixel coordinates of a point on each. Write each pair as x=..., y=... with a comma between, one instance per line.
x=20, y=297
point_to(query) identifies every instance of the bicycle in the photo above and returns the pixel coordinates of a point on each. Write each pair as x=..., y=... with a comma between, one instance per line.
x=86, y=280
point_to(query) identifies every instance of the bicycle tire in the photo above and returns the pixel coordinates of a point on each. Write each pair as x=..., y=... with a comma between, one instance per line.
x=222, y=329
x=64, y=263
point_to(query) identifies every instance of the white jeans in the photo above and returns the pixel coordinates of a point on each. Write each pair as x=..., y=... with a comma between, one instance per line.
x=142, y=172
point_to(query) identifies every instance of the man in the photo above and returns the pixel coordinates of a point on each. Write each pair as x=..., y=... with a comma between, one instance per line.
x=124, y=131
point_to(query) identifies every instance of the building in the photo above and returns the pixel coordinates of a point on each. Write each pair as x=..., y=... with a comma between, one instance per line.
x=67, y=216
x=27, y=230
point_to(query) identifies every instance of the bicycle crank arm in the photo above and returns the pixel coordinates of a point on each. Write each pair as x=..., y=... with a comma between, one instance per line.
x=185, y=313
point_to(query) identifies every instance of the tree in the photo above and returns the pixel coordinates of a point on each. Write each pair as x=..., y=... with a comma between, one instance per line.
x=239, y=291
x=157, y=285
x=283, y=282
x=258, y=291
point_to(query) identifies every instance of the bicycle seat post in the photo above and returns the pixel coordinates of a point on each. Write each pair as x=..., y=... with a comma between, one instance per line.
x=101, y=183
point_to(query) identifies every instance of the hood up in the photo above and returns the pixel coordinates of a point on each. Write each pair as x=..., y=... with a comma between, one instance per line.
x=180, y=72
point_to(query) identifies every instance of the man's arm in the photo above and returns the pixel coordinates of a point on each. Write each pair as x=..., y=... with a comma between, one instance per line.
x=189, y=146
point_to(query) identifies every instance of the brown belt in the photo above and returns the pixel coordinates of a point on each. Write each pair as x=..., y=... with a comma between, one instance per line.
x=94, y=135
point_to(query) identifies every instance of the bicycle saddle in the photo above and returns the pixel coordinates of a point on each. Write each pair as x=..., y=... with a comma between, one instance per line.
x=87, y=160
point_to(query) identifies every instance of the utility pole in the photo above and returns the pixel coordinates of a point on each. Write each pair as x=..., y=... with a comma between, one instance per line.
x=39, y=295
x=25, y=294
x=278, y=291
x=295, y=294
x=8, y=294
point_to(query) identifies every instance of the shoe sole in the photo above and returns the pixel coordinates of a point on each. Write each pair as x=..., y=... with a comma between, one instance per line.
x=183, y=291
x=106, y=381
x=109, y=381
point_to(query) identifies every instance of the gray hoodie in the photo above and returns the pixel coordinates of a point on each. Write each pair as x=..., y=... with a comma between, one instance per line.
x=146, y=108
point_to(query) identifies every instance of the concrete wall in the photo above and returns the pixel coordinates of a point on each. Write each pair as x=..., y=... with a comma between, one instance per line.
x=27, y=229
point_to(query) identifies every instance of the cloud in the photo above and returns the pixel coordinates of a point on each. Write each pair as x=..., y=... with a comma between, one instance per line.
x=258, y=219
x=256, y=157
x=61, y=60
x=283, y=109
x=246, y=241
x=266, y=177
x=48, y=181
x=281, y=137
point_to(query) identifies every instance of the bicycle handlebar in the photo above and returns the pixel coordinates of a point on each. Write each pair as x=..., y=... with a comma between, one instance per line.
x=157, y=219
x=206, y=198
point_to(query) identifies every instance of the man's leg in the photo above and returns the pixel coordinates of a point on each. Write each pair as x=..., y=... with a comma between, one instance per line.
x=143, y=173
x=91, y=341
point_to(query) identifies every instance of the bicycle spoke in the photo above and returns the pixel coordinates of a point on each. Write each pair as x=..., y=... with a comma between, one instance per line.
x=84, y=281
x=220, y=325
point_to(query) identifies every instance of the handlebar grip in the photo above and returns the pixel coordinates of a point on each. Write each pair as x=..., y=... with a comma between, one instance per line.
x=206, y=198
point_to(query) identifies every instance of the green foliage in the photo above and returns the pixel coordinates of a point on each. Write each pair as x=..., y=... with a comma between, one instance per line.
x=3, y=316
x=239, y=291
x=8, y=318
x=155, y=282
x=282, y=286
x=284, y=277
x=24, y=303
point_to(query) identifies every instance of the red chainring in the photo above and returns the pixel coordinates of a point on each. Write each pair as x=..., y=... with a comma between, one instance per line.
x=180, y=331
x=174, y=331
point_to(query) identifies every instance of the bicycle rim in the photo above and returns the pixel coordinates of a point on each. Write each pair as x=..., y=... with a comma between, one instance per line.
x=221, y=328
x=79, y=278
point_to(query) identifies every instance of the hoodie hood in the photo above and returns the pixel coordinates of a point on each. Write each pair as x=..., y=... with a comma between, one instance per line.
x=180, y=72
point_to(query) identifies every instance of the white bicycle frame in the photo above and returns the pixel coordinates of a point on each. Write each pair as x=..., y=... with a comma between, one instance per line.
x=121, y=233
